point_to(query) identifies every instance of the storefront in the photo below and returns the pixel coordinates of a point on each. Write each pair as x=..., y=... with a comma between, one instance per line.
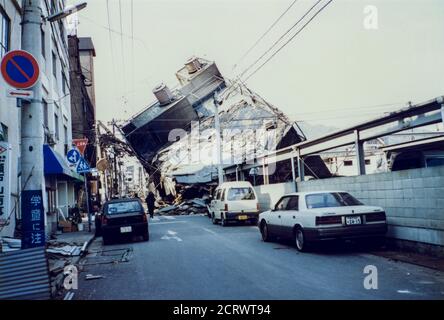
x=60, y=192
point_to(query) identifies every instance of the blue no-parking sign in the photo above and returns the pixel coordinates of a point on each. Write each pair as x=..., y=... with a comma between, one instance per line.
x=20, y=69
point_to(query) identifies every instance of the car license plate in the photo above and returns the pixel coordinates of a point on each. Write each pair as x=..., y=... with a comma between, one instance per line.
x=242, y=217
x=352, y=221
x=125, y=229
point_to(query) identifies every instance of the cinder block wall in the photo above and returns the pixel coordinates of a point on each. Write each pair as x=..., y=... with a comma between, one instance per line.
x=268, y=195
x=413, y=200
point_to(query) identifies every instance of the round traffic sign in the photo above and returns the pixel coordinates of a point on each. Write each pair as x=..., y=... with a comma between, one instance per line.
x=20, y=69
x=73, y=156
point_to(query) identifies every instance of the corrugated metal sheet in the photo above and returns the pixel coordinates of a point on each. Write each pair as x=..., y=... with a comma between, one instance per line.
x=24, y=275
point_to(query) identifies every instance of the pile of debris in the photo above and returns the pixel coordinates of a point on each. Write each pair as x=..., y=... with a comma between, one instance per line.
x=189, y=207
x=62, y=254
x=10, y=244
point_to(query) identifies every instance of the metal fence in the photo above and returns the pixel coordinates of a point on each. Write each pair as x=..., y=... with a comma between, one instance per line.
x=24, y=275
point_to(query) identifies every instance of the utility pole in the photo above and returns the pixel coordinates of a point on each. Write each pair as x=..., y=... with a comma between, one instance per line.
x=220, y=172
x=115, y=175
x=32, y=134
x=87, y=195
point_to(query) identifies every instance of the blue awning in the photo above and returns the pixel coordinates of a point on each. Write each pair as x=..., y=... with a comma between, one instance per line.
x=54, y=164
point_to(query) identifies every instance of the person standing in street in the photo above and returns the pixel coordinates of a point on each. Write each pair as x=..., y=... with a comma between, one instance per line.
x=150, y=200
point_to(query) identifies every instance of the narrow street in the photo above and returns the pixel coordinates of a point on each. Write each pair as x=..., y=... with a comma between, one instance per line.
x=189, y=258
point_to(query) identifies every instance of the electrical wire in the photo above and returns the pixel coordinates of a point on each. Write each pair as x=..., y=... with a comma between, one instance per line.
x=289, y=40
x=264, y=34
x=122, y=47
x=110, y=38
x=280, y=38
x=132, y=46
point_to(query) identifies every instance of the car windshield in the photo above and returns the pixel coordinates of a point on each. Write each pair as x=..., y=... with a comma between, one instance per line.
x=123, y=207
x=235, y=194
x=331, y=199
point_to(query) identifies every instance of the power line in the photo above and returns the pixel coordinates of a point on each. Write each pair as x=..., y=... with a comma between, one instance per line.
x=264, y=34
x=280, y=38
x=111, y=30
x=122, y=46
x=132, y=45
x=289, y=40
x=110, y=37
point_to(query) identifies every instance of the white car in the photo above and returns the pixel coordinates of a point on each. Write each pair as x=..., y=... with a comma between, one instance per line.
x=306, y=217
x=234, y=201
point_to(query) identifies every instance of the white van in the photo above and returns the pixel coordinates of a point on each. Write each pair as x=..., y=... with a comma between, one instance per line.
x=234, y=201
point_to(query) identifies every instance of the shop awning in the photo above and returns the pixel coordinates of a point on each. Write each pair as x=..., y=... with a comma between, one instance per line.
x=54, y=164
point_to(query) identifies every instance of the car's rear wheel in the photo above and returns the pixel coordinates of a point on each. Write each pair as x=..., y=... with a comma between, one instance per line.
x=300, y=241
x=265, y=233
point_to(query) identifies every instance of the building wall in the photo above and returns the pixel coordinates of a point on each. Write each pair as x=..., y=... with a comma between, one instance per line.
x=56, y=81
x=413, y=200
x=57, y=95
x=10, y=114
x=342, y=165
x=87, y=64
x=82, y=107
x=269, y=194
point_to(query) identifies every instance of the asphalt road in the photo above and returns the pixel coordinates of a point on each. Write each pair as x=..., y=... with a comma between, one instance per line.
x=189, y=258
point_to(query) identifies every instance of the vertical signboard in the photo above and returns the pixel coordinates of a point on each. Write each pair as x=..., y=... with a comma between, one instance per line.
x=5, y=182
x=33, y=219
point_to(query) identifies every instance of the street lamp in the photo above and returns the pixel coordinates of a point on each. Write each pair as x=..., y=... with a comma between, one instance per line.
x=70, y=9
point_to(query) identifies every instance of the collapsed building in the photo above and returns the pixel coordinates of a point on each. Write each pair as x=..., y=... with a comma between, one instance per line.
x=176, y=137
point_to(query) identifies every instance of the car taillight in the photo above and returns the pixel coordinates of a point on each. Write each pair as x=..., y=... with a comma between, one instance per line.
x=376, y=216
x=328, y=220
x=226, y=206
x=104, y=220
x=145, y=218
x=258, y=207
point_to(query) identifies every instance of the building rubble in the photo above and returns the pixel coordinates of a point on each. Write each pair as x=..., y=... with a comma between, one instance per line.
x=175, y=137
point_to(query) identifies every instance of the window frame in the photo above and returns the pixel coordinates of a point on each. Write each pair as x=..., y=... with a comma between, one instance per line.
x=7, y=22
x=280, y=200
x=297, y=209
x=54, y=64
x=56, y=126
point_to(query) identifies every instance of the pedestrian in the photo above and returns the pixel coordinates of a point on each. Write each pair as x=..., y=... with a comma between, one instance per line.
x=150, y=200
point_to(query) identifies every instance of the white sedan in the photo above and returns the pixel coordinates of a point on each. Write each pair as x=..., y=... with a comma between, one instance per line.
x=306, y=217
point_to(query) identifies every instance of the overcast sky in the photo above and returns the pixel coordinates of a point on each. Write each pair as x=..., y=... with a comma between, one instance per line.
x=335, y=72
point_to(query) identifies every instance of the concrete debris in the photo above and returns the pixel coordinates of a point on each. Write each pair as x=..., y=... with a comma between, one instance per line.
x=10, y=244
x=167, y=209
x=93, y=277
x=57, y=266
x=66, y=250
x=199, y=203
x=190, y=207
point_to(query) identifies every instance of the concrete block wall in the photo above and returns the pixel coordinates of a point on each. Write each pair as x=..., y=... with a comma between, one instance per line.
x=413, y=200
x=269, y=194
